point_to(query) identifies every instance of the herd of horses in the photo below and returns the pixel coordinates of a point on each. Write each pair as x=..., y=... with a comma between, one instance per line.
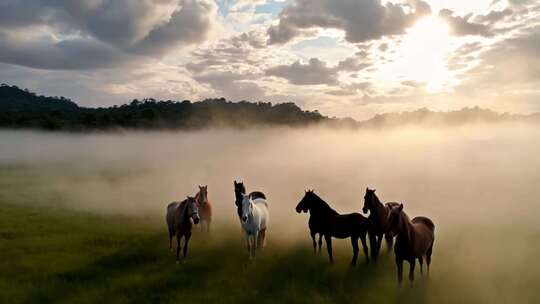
x=414, y=238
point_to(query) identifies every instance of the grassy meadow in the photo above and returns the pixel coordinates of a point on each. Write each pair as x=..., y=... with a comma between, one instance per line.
x=82, y=221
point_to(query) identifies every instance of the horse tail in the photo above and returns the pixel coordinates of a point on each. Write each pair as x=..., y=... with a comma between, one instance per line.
x=426, y=221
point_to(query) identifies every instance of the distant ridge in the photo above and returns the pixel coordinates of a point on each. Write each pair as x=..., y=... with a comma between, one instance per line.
x=22, y=109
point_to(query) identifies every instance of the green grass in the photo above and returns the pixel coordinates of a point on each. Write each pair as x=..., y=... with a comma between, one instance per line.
x=52, y=253
x=62, y=256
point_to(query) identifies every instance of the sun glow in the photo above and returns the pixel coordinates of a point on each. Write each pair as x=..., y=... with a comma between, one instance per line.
x=423, y=54
x=425, y=49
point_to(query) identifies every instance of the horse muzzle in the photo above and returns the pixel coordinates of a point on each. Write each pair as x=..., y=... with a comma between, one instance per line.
x=365, y=210
x=196, y=220
x=244, y=218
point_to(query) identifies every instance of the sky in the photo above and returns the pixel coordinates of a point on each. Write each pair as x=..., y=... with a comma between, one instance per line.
x=345, y=58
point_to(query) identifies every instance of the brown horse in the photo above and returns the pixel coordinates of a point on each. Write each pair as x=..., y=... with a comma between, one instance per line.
x=205, y=208
x=378, y=214
x=332, y=224
x=414, y=240
x=179, y=221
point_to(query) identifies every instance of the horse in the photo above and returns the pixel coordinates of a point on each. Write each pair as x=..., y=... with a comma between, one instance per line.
x=239, y=192
x=254, y=222
x=330, y=223
x=414, y=240
x=378, y=214
x=205, y=208
x=179, y=221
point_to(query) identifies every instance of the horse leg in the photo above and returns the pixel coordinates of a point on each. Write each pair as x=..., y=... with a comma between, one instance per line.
x=428, y=257
x=412, y=262
x=255, y=243
x=178, y=237
x=389, y=241
x=354, y=242
x=186, y=238
x=399, y=264
x=421, y=262
x=313, y=235
x=379, y=243
x=328, y=240
x=320, y=242
x=248, y=241
x=262, y=238
x=365, y=248
x=170, y=241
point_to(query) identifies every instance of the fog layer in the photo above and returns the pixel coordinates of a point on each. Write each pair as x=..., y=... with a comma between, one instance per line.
x=480, y=175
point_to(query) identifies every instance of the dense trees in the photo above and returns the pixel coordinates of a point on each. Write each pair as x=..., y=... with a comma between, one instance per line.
x=23, y=109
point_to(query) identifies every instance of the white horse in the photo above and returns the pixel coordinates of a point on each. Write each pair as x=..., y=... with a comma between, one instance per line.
x=254, y=222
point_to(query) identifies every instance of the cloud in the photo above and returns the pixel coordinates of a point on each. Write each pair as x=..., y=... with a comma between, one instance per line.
x=104, y=29
x=68, y=54
x=360, y=20
x=313, y=73
x=232, y=86
x=462, y=26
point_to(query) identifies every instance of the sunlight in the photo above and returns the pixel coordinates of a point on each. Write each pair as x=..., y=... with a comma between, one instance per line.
x=423, y=53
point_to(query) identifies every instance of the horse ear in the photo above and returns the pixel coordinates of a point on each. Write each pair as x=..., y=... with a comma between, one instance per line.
x=400, y=207
x=374, y=190
x=200, y=187
x=235, y=182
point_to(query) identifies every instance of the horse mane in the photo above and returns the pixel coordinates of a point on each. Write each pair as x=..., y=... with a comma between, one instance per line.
x=182, y=209
x=407, y=224
x=324, y=205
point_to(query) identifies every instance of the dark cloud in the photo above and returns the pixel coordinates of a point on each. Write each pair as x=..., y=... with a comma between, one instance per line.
x=106, y=30
x=312, y=73
x=69, y=54
x=361, y=20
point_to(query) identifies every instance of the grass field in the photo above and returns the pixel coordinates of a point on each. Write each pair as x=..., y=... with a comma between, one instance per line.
x=87, y=226
x=64, y=256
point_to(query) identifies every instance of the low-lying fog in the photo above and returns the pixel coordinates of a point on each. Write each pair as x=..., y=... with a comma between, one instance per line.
x=482, y=175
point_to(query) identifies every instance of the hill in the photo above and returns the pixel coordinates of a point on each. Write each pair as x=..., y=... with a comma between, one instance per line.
x=22, y=109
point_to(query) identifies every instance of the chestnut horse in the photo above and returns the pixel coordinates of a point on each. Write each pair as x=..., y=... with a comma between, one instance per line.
x=332, y=224
x=378, y=214
x=205, y=208
x=414, y=240
x=179, y=221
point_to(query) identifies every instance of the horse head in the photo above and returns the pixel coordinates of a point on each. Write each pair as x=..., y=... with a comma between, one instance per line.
x=192, y=209
x=395, y=218
x=369, y=200
x=239, y=191
x=247, y=208
x=306, y=203
x=202, y=196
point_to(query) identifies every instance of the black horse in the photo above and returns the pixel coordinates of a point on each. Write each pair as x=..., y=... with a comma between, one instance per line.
x=414, y=240
x=378, y=214
x=179, y=217
x=332, y=224
x=239, y=192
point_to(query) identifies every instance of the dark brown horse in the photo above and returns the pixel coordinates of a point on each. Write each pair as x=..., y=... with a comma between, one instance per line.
x=205, y=208
x=378, y=214
x=239, y=192
x=179, y=221
x=332, y=224
x=414, y=240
